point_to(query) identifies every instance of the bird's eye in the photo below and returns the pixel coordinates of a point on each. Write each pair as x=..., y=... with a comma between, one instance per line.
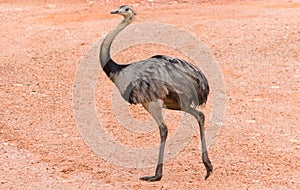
x=127, y=9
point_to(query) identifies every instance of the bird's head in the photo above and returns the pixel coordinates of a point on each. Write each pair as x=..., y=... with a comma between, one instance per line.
x=126, y=11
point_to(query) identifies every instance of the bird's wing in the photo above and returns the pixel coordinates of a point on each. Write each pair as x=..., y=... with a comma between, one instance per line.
x=160, y=76
x=187, y=78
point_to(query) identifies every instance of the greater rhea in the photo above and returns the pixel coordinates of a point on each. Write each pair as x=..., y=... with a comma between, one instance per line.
x=158, y=82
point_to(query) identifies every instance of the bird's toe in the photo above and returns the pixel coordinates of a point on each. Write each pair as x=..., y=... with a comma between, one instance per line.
x=209, y=169
x=151, y=178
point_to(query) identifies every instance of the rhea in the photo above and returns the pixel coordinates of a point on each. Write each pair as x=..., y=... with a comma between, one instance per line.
x=156, y=83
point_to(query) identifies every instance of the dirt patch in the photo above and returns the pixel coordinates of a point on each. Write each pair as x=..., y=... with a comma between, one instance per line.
x=257, y=47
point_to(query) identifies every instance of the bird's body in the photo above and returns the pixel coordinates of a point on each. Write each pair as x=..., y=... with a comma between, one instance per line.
x=172, y=80
x=158, y=82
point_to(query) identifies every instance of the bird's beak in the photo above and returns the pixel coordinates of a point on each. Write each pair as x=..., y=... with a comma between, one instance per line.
x=114, y=12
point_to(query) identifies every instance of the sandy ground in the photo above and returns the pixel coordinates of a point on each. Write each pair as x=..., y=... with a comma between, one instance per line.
x=256, y=45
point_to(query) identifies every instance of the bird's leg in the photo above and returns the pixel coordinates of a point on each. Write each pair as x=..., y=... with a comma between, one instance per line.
x=200, y=118
x=158, y=172
x=154, y=108
x=205, y=158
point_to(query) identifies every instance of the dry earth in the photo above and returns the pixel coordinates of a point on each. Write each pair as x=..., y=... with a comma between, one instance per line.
x=256, y=45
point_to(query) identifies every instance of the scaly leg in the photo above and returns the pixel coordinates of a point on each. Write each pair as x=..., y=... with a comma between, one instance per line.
x=154, y=108
x=200, y=118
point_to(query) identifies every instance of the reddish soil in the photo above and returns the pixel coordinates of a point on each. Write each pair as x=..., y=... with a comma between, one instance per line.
x=257, y=47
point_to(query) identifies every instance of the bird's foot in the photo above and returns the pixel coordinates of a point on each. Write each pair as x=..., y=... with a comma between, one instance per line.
x=151, y=178
x=209, y=169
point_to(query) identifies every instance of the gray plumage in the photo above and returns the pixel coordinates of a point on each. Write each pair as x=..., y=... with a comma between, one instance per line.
x=166, y=78
x=158, y=82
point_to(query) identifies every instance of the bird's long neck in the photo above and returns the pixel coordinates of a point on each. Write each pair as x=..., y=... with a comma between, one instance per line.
x=106, y=62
